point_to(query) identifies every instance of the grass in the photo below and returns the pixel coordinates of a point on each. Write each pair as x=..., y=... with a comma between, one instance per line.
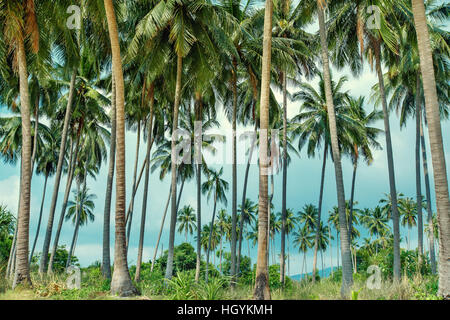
x=183, y=287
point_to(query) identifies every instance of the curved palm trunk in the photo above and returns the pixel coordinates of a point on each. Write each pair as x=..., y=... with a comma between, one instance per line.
x=106, y=259
x=262, y=291
x=62, y=150
x=160, y=231
x=244, y=196
x=141, y=173
x=418, y=181
x=121, y=282
x=173, y=214
x=390, y=159
x=319, y=215
x=136, y=161
x=137, y=277
x=22, y=270
x=347, y=277
x=283, y=200
x=210, y=238
x=436, y=144
x=428, y=197
x=72, y=167
x=40, y=219
x=234, y=182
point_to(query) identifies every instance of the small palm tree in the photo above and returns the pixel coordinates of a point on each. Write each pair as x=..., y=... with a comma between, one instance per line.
x=80, y=210
x=186, y=221
x=408, y=213
x=304, y=240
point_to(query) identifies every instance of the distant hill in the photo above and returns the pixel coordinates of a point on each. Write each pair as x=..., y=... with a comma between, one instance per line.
x=326, y=274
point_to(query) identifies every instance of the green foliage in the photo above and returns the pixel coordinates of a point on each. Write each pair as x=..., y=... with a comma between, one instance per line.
x=7, y=223
x=184, y=258
x=59, y=262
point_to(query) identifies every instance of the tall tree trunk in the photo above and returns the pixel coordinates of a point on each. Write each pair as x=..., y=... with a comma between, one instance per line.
x=262, y=291
x=418, y=180
x=436, y=144
x=428, y=198
x=133, y=194
x=198, y=157
x=141, y=173
x=352, y=198
x=244, y=196
x=35, y=138
x=284, y=190
x=40, y=219
x=121, y=282
x=72, y=166
x=173, y=214
x=160, y=231
x=390, y=159
x=22, y=270
x=347, y=277
x=77, y=225
x=106, y=260
x=62, y=150
x=210, y=237
x=137, y=277
x=319, y=211
x=234, y=181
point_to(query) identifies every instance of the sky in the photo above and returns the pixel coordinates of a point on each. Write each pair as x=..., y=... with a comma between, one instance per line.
x=302, y=187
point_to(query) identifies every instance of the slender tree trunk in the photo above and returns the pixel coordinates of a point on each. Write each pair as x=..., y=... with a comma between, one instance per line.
x=418, y=180
x=390, y=158
x=331, y=249
x=77, y=226
x=35, y=138
x=352, y=198
x=141, y=173
x=136, y=161
x=198, y=161
x=106, y=261
x=284, y=190
x=72, y=166
x=62, y=150
x=436, y=144
x=347, y=277
x=210, y=237
x=22, y=269
x=40, y=219
x=121, y=282
x=428, y=198
x=244, y=196
x=160, y=231
x=262, y=291
x=234, y=182
x=319, y=215
x=173, y=215
x=137, y=277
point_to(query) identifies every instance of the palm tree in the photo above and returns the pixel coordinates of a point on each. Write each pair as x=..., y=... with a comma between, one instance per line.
x=186, y=221
x=80, y=211
x=22, y=22
x=408, y=213
x=435, y=136
x=217, y=187
x=121, y=282
x=262, y=277
x=247, y=217
x=303, y=239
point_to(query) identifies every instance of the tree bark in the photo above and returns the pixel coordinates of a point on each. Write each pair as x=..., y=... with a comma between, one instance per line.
x=22, y=270
x=418, y=180
x=261, y=291
x=234, y=182
x=210, y=237
x=436, y=145
x=121, y=282
x=160, y=231
x=347, y=277
x=62, y=150
x=284, y=190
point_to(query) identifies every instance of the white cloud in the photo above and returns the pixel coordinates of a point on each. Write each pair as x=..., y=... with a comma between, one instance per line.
x=9, y=194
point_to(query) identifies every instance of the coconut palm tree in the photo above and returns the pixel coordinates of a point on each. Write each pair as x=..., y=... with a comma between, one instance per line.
x=435, y=136
x=408, y=213
x=186, y=221
x=215, y=186
x=303, y=239
x=80, y=211
x=121, y=282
